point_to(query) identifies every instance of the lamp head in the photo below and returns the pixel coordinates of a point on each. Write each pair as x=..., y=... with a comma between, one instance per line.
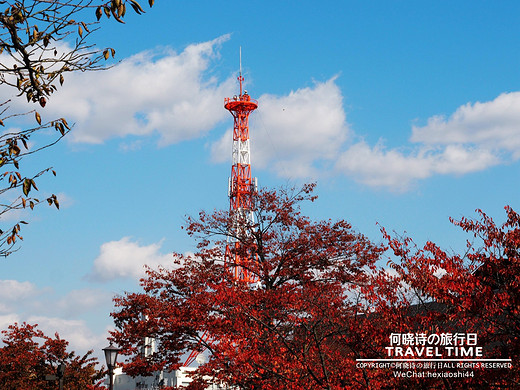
x=111, y=355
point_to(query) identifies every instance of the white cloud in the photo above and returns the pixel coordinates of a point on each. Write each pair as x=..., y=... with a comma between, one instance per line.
x=24, y=302
x=15, y=290
x=8, y=319
x=26, y=299
x=12, y=292
x=76, y=332
x=126, y=259
x=77, y=302
x=79, y=336
x=292, y=134
x=475, y=137
x=155, y=92
x=492, y=125
x=68, y=314
x=461, y=159
x=396, y=170
x=379, y=167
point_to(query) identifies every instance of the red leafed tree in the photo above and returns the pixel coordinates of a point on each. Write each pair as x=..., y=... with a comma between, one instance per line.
x=28, y=355
x=475, y=292
x=299, y=327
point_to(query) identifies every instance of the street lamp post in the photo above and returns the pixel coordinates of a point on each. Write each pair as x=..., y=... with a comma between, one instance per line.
x=60, y=373
x=111, y=357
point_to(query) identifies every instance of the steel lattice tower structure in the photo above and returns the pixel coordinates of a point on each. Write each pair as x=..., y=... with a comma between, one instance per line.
x=240, y=191
x=241, y=185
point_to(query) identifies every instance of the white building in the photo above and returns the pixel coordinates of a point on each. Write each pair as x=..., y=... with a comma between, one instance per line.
x=158, y=380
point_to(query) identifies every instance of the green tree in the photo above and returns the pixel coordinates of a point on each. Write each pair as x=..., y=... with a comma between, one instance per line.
x=40, y=43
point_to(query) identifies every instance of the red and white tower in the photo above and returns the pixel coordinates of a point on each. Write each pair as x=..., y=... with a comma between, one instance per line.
x=241, y=190
x=241, y=185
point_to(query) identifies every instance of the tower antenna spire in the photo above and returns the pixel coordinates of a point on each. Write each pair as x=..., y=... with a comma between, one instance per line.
x=240, y=78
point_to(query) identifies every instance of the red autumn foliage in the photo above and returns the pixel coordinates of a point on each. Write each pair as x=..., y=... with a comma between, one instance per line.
x=296, y=328
x=321, y=302
x=475, y=292
x=28, y=355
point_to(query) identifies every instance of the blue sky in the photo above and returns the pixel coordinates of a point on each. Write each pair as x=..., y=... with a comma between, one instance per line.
x=405, y=113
